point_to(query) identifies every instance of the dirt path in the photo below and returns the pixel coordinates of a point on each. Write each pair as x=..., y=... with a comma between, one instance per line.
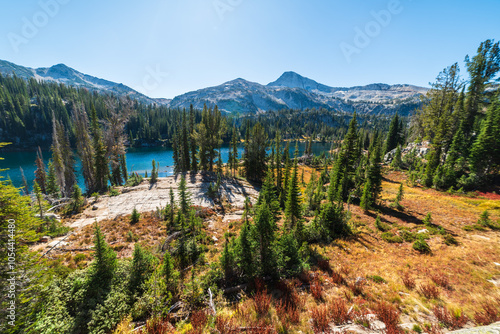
x=145, y=197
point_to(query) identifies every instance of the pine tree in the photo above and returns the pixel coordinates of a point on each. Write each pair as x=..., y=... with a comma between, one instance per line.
x=77, y=199
x=143, y=265
x=264, y=236
x=84, y=146
x=344, y=167
x=397, y=162
x=233, y=161
x=374, y=172
x=227, y=259
x=399, y=197
x=482, y=68
x=52, y=187
x=485, y=152
x=184, y=197
x=26, y=189
x=366, y=199
x=192, y=141
x=57, y=156
x=268, y=195
x=154, y=173
x=393, y=138
x=101, y=170
x=289, y=254
x=278, y=163
x=244, y=250
x=255, y=157
x=69, y=161
x=135, y=217
x=186, y=163
x=286, y=176
x=104, y=263
x=123, y=167
x=171, y=207
x=39, y=197
x=170, y=275
x=292, y=205
x=40, y=173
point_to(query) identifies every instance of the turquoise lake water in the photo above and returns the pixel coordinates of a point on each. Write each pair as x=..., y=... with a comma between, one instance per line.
x=138, y=160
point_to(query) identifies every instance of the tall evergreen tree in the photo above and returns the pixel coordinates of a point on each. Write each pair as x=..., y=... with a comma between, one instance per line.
x=393, y=139
x=264, y=236
x=184, y=196
x=344, y=167
x=482, y=68
x=39, y=197
x=52, y=187
x=192, y=140
x=84, y=146
x=292, y=205
x=485, y=152
x=255, y=157
x=40, y=173
x=244, y=250
x=101, y=169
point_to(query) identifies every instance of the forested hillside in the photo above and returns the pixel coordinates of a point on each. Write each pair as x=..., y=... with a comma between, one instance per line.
x=360, y=237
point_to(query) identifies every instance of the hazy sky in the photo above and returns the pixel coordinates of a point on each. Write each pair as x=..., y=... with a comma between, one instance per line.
x=166, y=48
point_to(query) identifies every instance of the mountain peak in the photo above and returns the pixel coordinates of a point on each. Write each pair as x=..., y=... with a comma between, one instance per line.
x=292, y=79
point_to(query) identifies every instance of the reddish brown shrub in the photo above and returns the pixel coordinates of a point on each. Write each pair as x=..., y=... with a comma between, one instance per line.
x=449, y=319
x=433, y=329
x=316, y=289
x=338, y=311
x=408, y=281
x=324, y=265
x=290, y=295
x=337, y=277
x=441, y=280
x=261, y=300
x=389, y=315
x=260, y=327
x=157, y=326
x=429, y=291
x=225, y=325
x=488, y=315
x=198, y=320
x=357, y=287
x=361, y=317
x=344, y=269
x=320, y=321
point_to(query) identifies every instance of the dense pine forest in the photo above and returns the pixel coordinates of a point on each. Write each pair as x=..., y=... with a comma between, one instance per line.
x=189, y=281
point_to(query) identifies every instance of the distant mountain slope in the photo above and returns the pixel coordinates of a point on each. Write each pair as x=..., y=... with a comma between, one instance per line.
x=292, y=90
x=61, y=73
x=289, y=91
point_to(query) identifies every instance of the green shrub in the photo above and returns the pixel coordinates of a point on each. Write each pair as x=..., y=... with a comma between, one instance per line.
x=381, y=226
x=428, y=219
x=416, y=328
x=79, y=257
x=134, y=180
x=134, y=219
x=113, y=192
x=421, y=245
x=377, y=279
x=450, y=240
x=391, y=238
x=132, y=237
x=408, y=236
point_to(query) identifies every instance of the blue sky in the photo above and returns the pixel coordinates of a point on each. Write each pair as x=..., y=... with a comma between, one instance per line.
x=165, y=48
